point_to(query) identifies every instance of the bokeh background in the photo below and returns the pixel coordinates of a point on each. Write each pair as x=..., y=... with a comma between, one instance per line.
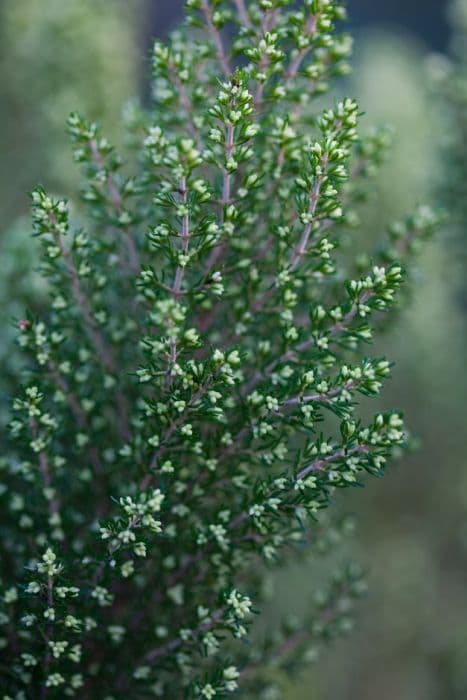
x=410, y=637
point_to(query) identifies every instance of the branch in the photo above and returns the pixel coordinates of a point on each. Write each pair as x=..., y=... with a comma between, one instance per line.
x=71, y=399
x=180, y=271
x=295, y=641
x=47, y=636
x=335, y=330
x=116, y=200
x=269, y=22
x=185, y=237
x=302, y=246
x=294, y=66
x=186, y=104
x=104, y=352
x=178, y=641
x=226, y=196
x=243, y=13
x=78, y=413
x=319, y=465
x=216, y=37
x=162, y=449
x=319, y=398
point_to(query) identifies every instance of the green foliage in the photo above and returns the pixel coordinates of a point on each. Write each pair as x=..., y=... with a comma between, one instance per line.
x=20, y=285
x=404, y=531
x=52, y=58
x=54, y=55
x=192, y=400
x=450, y=81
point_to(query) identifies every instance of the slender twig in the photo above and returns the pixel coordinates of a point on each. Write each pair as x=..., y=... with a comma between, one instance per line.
x=243, y=15
x=48, y=637
x=180, y=271
x=296, y=63
x=226, y=195
x=70, y=398
x=335, y=330
x=116, y=200
x=269, y=21
x=185, y=237
x=227, y=178
x=216, y=37
x=53, y=504
x=104, y=351
x=78, y=413
x=53, y=507
x=173, y=427
x=319, y=465
x=320, y=398
x=186, y=104
x=302, y=247
x=291, y=644
x=177, y=642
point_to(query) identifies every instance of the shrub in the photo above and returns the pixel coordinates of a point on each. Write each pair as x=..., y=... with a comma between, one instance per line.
x=192, y=397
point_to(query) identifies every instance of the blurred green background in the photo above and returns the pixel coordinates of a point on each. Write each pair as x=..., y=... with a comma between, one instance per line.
x=410, y=638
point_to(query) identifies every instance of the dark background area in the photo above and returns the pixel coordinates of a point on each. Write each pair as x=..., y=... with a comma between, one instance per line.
x=426, y=19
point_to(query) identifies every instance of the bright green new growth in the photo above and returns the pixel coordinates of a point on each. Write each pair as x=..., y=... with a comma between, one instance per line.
x=191, y=403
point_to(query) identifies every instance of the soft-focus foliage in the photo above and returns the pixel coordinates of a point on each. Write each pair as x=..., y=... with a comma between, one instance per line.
x=450, y=86
x=54, y=55
x=412, y=525
x=192, y=401
x=21, y=286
